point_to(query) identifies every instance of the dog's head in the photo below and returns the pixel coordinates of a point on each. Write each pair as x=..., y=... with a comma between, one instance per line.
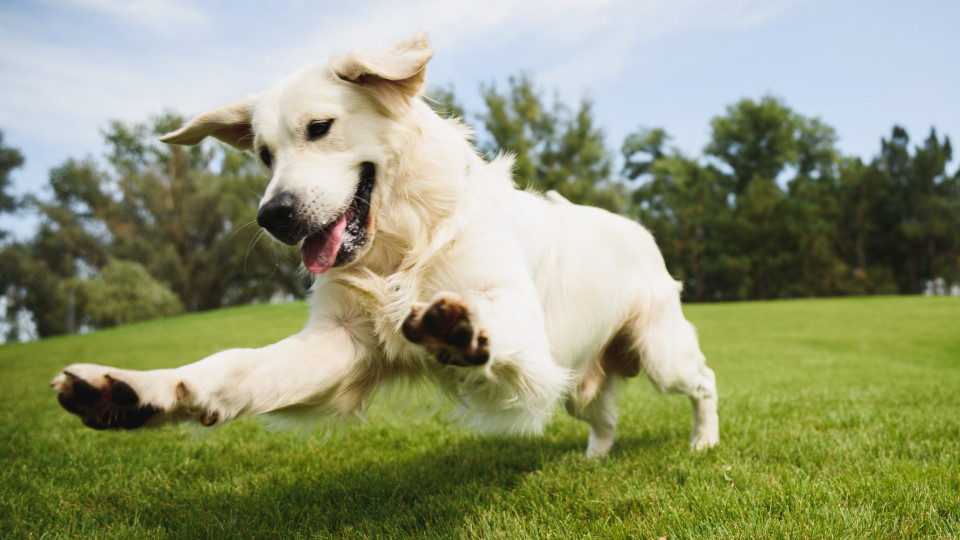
x=320, y=134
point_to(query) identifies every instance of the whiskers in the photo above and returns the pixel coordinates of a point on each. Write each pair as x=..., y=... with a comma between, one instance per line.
x=253, y=241
x=357, y=200
x=251, y=245
x=242, y=227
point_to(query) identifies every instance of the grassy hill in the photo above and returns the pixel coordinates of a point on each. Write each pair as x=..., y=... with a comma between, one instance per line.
x=839, y=418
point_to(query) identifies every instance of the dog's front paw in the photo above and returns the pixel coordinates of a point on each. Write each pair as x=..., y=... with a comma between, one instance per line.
x=100, y=398
x=444, y=328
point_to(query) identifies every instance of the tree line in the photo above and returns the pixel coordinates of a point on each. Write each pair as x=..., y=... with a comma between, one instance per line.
x=152, y=230
x=771, y=209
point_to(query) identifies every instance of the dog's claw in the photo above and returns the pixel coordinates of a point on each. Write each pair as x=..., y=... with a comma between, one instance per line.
x=482, y=352
x=209, y=418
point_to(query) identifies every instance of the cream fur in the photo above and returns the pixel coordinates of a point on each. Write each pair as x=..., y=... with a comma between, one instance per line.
x=572, y=298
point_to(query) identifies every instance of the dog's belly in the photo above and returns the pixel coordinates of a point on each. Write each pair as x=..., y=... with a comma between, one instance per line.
x=592, y=270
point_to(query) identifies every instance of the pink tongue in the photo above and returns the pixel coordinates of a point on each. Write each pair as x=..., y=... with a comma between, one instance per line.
x=319, y=250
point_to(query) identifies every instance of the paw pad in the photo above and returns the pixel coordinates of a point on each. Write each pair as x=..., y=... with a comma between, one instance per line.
x=112, y=405
x=444, y=328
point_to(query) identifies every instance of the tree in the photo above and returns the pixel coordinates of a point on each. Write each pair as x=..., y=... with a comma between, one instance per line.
x=517, y=123
x=784, y=241
x=173, y=219
x=10, y=309
x=641, y=150
x=814, y=211
x=763, y=239
x=931, y=219
x=554, y=148
x=683, y=204
x=906, y=225
x=30, y=288
x=444, y=103
x=187, y=215
x=124, y=292
x=755, y=140
x=10, y=159
x=894, y=164
x=864, y=200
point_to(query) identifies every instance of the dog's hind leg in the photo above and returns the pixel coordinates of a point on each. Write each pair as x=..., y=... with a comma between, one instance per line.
x=671, y=357
x=706, y=423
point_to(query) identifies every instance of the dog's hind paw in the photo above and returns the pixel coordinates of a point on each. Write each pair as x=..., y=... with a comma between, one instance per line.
x=101, y=400
x=444, y=328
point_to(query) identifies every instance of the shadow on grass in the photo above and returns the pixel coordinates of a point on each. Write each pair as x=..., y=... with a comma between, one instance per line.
x=433, y=493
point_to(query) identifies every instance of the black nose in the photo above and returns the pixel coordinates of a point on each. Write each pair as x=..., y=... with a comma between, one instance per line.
x=279, y=218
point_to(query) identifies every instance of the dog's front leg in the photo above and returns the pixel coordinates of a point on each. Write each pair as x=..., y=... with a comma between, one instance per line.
x=311, y=370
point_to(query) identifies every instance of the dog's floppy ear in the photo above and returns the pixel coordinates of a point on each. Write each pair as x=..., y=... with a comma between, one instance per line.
x=231, y=124
x=397, y=73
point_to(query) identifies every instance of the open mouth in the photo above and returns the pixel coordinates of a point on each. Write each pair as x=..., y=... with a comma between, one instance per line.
x=337, y=242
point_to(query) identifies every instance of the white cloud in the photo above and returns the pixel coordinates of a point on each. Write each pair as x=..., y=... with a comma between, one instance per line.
x=581, y=42
x=572, y=44
x=58, y=86
x=159, y=15
x=585, y=40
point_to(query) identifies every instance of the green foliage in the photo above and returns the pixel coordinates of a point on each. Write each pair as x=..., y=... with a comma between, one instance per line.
x=10, y=159
x=554, y=147
x=928, y=209
x=444, y=103
x=761, y=140
x=777, y=212
x=124, y=292
x=185, y=215
x=683, y=204
x=642, y=149
x=771, y=209
x=29, y=285
x=838, y=420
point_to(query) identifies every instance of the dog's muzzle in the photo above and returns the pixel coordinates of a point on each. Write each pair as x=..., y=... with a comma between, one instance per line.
x=278, y=217
x=324, y=245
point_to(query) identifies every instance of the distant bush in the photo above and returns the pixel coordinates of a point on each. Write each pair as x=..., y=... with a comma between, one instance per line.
x=123, y=293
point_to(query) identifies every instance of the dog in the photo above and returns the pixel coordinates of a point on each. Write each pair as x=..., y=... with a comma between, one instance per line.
x=430, y=264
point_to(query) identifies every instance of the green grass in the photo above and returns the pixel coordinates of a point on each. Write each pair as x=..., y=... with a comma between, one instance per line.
x=839, y=419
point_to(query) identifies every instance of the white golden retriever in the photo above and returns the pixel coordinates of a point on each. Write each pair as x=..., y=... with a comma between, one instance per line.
x=429, y=263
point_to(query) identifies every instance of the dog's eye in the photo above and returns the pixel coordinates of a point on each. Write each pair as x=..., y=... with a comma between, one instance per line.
x=318, y=128
x=265, y=157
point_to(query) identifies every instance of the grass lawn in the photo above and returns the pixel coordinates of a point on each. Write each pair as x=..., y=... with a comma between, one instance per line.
x=839, y=419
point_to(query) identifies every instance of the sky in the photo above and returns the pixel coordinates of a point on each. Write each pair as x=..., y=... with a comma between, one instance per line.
x=69, y=67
